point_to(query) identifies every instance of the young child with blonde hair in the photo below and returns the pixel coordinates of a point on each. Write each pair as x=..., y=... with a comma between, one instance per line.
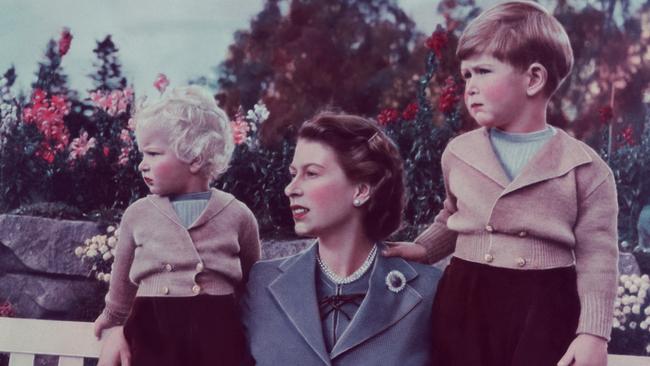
x=185, y=249
x=530, y=212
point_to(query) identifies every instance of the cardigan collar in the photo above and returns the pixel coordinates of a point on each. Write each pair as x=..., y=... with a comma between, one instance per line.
x=557, y=157
x=218, y=201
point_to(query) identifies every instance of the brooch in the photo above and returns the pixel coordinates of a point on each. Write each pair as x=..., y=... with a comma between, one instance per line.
x=395, y=281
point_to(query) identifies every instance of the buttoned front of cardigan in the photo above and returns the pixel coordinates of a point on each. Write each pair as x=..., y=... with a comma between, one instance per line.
x=559, y=211
x=157, y=256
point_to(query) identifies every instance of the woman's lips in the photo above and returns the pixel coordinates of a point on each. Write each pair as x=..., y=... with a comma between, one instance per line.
x=299, y=212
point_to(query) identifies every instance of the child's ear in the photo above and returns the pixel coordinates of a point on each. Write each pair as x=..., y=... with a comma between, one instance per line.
x=196, y=164
x=537, y=78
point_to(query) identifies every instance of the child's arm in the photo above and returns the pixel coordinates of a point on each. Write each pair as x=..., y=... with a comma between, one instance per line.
x=249, y=244
x=437, y=241
x=121, y=291
x=596, y=254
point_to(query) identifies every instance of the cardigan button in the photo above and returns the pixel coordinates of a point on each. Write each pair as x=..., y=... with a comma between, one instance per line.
x=522, y=234
x=199, y=267
x=521, y=262
x=489, y=228
x=489, y=257
x=165, y=290
x=168, y=267
x=196, y=289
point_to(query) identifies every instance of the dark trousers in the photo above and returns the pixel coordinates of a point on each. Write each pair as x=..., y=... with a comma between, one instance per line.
x=488, y=316
x=175, y=331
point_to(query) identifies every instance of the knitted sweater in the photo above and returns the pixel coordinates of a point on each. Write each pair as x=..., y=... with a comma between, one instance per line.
x=561, y=210
x=157, y=256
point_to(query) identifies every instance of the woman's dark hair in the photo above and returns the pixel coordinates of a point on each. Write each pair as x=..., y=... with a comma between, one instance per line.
x=366, y=154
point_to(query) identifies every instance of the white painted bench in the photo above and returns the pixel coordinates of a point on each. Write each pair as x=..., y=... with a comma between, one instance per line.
x=74, y=341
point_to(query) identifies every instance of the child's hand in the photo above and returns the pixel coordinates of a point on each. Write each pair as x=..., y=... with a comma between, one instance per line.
x=585, y=350
x=115, y=350
x=101, y=323
x=406, y=250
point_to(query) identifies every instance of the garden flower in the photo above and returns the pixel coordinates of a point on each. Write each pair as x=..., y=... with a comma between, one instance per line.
x=437, y=41
x=6, y=309
x=161, y=82
x=240, y=129
x=65, y=41
x=449, y=96
x=606, y=114
x=410, y=111
x=628, y=135
x=387, y=116
x=47, y=115
x=80, y=145
x=258, y=114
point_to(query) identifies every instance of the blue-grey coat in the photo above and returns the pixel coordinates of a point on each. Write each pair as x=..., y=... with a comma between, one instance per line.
x=283, y=326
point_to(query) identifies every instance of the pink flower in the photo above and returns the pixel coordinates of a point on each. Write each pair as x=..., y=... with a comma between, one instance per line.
x=161, y=82
x=106, y=151
x=47, y=115
x=240, y=129
x=628, y=135
x=65, y=41
x=113, y=103
x=387, y=116
x=80, y=145
x=6, y=310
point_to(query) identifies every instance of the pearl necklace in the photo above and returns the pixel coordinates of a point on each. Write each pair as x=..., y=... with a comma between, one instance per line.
x=353, y=277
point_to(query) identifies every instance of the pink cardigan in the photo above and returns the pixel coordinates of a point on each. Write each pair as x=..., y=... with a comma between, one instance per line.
x=157, y=256
x=559, y=211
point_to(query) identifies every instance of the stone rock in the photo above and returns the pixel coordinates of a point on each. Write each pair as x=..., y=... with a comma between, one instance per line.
x=627, y=264
x=46, y=245
x=283, y=248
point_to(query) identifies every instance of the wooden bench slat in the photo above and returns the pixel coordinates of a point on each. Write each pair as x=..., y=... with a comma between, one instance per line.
x=71, y=361
x=621, y=360
x=48, y=337
x=21, y=359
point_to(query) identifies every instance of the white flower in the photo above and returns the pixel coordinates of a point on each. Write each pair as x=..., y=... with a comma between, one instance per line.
x=110, y=229
x=642, y=293
x=625, y=300
x=107, y=277
x=617, y=312
x=99, y=276
x=108, y=256
x=624, y=278
x=627, y=284
x=632, y=325
x=93, y=246
x=92, y=252
x=103, y=248
x=626, y=310
x=647, y=348
x=79, y=251
x=112, y=242
x=634, y=288
x=616, y=323
x=647, y=310
x=645, y=278
x=636, y=309
x=643, y=325
x=620, y=290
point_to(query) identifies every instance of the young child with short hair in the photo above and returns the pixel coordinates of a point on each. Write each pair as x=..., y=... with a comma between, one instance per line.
x=185, y=249
x=530, y=213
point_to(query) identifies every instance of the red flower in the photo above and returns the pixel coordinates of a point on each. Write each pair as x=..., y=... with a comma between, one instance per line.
x=6, y=310
x=410, y=111
x=449, y=96
x=628, y=135
x=65, y=41
x=47, y=115
x=387, y=116
x=161, y=82
x=606, y=114
x=106, y=151
x=437, y=41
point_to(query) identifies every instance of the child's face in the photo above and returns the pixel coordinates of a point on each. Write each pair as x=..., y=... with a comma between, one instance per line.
x=161, y=169
x=495, y=92
x=320, y=194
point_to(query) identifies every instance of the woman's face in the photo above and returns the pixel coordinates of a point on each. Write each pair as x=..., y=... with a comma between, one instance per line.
x=320, y=194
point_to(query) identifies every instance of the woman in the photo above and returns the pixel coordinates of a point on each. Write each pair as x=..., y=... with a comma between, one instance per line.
x=338, y=302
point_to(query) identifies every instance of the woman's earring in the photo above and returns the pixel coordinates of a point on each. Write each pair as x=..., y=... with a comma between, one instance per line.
x=357, y=202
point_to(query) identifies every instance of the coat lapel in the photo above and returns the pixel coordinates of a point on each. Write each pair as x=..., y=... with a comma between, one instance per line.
x=381, y=308
x=557, y=157
x=295, y=292
x=476, y=150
